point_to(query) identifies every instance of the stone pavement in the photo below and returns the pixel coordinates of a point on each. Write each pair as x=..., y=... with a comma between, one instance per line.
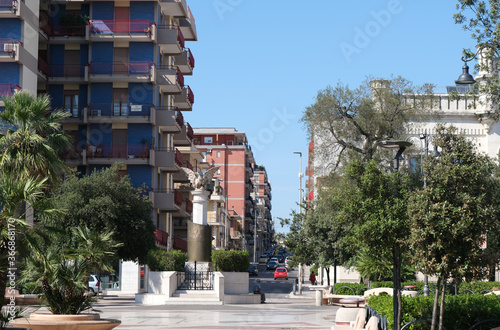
x=281, y=311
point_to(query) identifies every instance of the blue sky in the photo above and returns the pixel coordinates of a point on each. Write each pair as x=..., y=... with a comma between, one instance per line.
x=260, y=63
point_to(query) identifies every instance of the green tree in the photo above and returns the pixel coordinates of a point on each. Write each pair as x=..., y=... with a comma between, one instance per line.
x=456, y=205
x=33, y=139
x=344, y=122
x=106, y=202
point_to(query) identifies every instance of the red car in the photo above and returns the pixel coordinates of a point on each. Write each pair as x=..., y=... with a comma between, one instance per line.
x=281, y=272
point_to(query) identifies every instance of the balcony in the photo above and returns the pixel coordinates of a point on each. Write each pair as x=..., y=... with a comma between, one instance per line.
x=180, y=244
x=164, y=159
x=12, y=50
x=176, y=8
x=161, y=237
x=111, y=153
x=68, y=32
x=68, y=73
x=235, y=234
x=184, y=101
x=185, y=62
x=76, y=115
x=168, y=120
x=170, y=79
x=8, y=89
x=162, y=199
x=125, y=71
x=17, y=9
x=122, y=30
x=117, y=112
x=170, y=39
x=184, y=137
x=188, y=27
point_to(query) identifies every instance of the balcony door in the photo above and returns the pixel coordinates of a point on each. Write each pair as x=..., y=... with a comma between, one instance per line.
x=122, y=20
x=120, y=59
x=119, y=140
x=71, y=103
x=120, y=101
x=72, y=63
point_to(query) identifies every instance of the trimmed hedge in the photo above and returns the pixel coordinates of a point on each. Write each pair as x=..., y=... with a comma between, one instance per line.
x=162, y=260
x=461, y=311
x=230, y=261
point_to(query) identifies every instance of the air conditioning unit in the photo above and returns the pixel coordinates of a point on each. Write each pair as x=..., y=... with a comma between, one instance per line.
x=96, y=113
x=9, y=48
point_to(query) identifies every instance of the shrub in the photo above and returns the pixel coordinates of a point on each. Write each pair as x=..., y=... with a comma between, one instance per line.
x=349, y=288
x=161, y=260
x=461, y=311
x=230, y=261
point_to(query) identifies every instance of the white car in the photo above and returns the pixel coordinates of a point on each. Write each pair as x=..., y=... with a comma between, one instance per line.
x=94, y=284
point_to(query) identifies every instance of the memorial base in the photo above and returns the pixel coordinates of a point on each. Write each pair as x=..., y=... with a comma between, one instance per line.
x=199, y=242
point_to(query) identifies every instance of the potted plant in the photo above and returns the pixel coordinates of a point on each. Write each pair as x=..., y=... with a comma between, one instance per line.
x=63, y=274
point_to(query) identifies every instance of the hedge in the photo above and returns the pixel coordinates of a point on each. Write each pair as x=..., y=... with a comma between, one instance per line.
x=230, y=261
x=461, y=311
x=161, y=260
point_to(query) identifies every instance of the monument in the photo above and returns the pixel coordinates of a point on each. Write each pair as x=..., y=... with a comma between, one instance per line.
x=199, y=232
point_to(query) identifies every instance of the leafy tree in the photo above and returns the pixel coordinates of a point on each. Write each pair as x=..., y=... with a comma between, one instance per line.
x=345, y=122
x=33, y=139
x=106, y=202
x=457, y=205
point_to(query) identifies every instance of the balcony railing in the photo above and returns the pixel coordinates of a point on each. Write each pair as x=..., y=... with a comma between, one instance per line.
x=8, y=4
x=109, y=27
x=161, y=237
x=190, y=58
x=189, y=206
x=188, y=165
x=179, y=77
x=7, y=45
x=119, y=109
x=67, y=30
x=178, y=199
x=121, y=67
x=8, y=89
x=190, y=132
x=190, y=95
x=43, y=67
x=118, y=151
x=180, y=244
x=67, y=70
x=179, y=118
x=178, y=157
x=180, y=36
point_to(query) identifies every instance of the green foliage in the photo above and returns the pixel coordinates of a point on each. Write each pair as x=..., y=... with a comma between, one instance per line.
x=162, y=260
x=343, y=288
x=106, y=202
x=462, y=311
x=230, y=261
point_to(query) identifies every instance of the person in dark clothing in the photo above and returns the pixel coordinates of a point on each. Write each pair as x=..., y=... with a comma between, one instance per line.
x=312, y=278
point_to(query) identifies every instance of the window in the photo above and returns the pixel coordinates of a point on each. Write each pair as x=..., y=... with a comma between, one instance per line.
x=71, y=104
x=218, y=154
x=207, y=139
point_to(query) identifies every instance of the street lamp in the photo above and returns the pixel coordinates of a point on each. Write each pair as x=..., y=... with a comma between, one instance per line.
x=301, y=273
x=401, y=146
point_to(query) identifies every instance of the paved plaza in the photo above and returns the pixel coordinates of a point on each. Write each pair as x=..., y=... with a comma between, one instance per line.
x=281, y=311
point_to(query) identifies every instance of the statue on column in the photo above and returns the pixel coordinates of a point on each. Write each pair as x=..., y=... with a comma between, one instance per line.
x=199, y=232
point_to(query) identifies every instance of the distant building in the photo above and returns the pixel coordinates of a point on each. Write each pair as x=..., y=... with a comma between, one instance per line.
x=243, y=182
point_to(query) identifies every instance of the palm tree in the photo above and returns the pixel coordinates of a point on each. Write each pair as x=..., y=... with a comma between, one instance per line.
x=32, y=137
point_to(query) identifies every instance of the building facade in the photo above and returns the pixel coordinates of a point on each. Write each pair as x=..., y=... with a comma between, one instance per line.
x=246, y=187
x=119, y=68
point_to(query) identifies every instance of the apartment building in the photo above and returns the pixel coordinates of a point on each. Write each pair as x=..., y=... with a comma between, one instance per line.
x=119, y=68
x=244, y=184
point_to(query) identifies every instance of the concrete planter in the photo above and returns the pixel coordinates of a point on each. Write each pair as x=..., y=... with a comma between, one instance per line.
x=46, y=321
x=236, y=282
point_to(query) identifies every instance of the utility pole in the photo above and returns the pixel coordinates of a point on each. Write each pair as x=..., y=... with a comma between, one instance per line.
x=301, y=272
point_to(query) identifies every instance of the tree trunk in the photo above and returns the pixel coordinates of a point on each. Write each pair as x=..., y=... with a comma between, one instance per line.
x=327, y=270
x=434, y=307
x=396, y=280
x=334, y=270
x=441, y=310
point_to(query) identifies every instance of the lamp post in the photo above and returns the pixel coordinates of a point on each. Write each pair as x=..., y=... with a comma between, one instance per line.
x=401, y=146
x=426, y=143
x=301, y=273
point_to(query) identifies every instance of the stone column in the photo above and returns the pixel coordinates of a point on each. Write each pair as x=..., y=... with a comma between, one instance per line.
x=199, y=233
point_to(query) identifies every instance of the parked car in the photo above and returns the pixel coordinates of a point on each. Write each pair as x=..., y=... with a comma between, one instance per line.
x=271, y=265
x=263, y=258
x=281, y=272
x=94, y=284
x=253, y=270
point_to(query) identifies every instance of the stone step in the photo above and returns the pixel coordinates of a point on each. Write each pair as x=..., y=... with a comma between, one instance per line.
x=193, y=300
x=194, y=292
